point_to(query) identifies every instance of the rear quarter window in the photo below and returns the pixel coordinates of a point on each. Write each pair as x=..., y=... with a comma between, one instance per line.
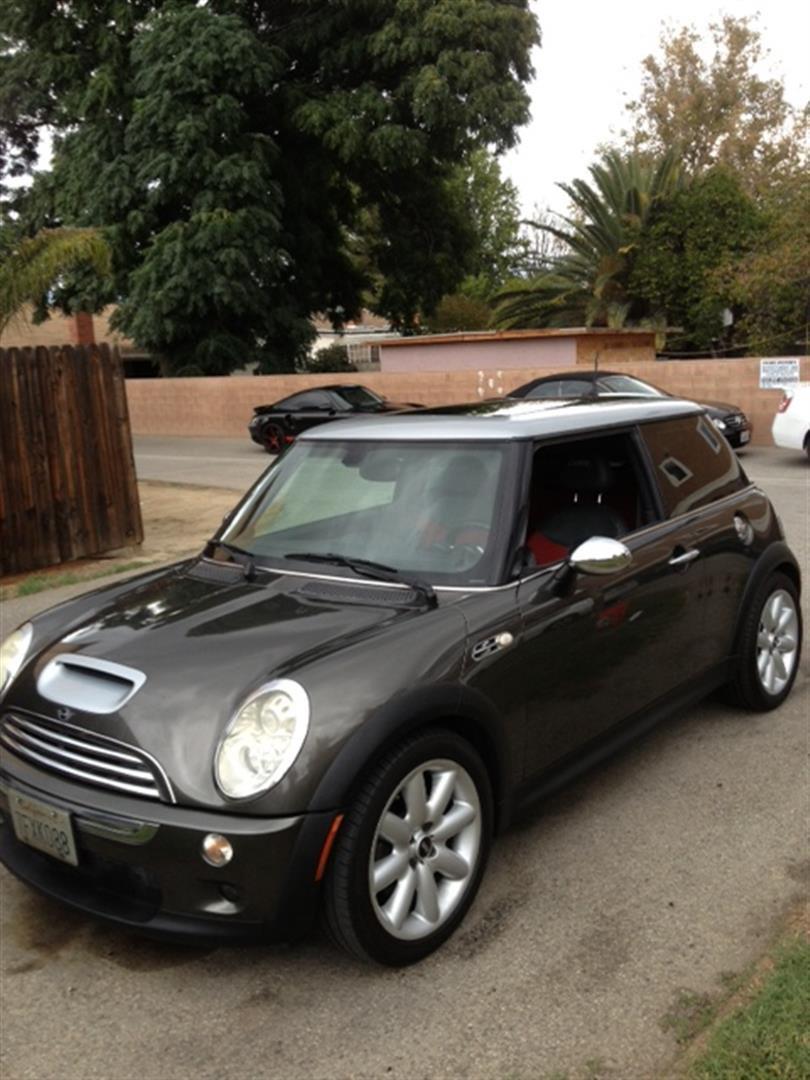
x=692, y=463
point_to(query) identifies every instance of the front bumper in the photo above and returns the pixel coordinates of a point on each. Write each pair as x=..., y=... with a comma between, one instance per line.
x=140, y=864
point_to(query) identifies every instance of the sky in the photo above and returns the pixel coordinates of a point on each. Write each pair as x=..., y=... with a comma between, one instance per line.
x=589, y=67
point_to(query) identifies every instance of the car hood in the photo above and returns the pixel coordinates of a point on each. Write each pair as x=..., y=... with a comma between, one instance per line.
x=719, y=408
x=203, y=647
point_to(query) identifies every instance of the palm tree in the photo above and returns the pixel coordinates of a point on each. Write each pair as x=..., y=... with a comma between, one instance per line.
x=587, y=284
x=31, y=266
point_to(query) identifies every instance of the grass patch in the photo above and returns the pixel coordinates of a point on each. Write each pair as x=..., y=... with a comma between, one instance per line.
x=39, y=582
x=689, y=1015
x=770, y=1037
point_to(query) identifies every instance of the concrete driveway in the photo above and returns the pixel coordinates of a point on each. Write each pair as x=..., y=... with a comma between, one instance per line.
x=660, y=872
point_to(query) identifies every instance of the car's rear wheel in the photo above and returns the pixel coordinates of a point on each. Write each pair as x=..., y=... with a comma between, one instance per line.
x=769, y=646
x=273, y=438
x=412, y=850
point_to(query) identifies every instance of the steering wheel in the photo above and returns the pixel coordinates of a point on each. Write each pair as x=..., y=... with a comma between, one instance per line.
x=455, y=543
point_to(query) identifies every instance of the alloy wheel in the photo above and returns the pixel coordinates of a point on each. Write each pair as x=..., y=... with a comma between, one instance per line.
x=777, y=642
x=426, y=849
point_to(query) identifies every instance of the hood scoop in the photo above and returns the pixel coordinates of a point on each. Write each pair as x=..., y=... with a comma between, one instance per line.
x=88, y=684
x=334, y=593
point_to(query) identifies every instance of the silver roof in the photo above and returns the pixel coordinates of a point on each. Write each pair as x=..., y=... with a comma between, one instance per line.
x=502, y=419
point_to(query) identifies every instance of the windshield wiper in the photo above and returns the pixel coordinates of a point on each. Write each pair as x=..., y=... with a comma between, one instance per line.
x=370, y=569
x=239, y=555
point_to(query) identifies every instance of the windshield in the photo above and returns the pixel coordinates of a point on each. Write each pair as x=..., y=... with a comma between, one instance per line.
x=359, y=397
x=426, y=509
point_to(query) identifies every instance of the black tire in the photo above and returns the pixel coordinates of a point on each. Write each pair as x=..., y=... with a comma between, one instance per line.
x=746, y=688
x=349, y=909
x=273, y=438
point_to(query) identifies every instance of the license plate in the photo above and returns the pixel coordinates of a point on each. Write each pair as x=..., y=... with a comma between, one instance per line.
x=745, y=436
x=43, y=827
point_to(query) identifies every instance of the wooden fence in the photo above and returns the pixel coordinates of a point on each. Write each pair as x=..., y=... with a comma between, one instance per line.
x=67, y=473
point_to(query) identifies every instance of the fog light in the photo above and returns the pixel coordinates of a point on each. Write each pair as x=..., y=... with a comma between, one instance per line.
x=217, y=850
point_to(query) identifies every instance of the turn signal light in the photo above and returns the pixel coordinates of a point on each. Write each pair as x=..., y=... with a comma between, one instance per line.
x=783, y=404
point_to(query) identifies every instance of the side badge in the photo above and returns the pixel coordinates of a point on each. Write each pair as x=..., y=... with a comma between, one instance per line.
x=64, y=714
x=492, y=645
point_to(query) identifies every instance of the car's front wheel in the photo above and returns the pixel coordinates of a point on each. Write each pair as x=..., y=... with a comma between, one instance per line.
x=411, y=852
x=769, y=646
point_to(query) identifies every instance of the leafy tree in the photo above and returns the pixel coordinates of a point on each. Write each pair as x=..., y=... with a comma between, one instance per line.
x=457, y=311
x=719, y=111
x=770, y=284
x=30, y=266
x=705, y=226
x=334, y=357
x=491, y=206
x=589, y=283
x=233, y=150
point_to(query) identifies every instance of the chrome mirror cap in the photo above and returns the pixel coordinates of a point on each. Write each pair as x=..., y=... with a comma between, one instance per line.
x=600, y=555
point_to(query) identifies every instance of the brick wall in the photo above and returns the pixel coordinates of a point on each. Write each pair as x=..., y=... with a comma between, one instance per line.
x=222, y=406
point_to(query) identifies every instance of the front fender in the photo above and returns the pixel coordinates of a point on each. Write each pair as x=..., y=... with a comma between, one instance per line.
x=447, y=705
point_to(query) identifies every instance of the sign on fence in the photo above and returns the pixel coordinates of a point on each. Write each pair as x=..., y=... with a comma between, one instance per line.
x=776, y=373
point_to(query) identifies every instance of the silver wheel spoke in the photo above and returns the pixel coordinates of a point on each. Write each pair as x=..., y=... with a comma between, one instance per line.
x=399, y=905
x=774, y=608
x=769, y=674
x=440, y=795
x=415, y=800
x=785, y=616
x=387, y=870
x=763, y=638
x=779, y=665
x=427, y=895
x=762, y=663
x=449, y=863
x=395, y=830
x=787, y=644
x=461, y=815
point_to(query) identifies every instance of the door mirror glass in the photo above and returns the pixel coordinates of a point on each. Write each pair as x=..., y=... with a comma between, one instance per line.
x=600, y=555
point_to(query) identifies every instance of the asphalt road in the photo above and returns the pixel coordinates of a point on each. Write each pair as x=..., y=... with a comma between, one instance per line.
x=660, y=872
x=226, y=463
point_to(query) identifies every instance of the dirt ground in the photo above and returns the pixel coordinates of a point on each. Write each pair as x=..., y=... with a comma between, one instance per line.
x=176, y=520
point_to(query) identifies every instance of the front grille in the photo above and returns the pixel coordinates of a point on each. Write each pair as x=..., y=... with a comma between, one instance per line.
x=737, y=420
x=83, y=756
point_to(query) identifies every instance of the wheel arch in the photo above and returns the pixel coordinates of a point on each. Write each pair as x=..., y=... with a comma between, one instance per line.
x=776, y=558
x=458, y=710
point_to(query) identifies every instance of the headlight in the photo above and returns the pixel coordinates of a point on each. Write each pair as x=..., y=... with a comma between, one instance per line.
x=12, y=653
x=263, y=739
x=718, y=423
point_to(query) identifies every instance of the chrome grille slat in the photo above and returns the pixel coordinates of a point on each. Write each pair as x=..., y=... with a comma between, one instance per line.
x=84, y=756
x=68, y=770
x=80, y=759
x=29, y=725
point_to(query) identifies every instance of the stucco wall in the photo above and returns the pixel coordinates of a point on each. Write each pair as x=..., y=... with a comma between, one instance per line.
x=223, y=406
x=474, y=355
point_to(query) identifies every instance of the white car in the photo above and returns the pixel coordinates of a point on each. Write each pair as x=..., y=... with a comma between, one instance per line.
x=791, y=425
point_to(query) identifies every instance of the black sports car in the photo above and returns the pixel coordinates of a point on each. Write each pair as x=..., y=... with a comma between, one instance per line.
x=276, y=426
x=729, y=419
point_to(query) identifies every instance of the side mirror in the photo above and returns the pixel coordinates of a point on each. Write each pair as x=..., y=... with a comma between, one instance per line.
x=600, y=555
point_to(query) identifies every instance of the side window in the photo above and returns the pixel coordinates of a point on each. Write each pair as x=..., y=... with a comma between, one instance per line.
x=693, y=463
x=290, y=404
x=583, y=488
x=313, y=399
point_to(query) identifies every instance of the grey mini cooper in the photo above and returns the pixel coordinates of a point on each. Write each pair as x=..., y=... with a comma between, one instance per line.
x=407, y=631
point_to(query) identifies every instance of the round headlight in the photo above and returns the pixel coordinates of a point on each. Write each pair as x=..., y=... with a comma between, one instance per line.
x=12, y=654
x=263, y=739
x=718, y=423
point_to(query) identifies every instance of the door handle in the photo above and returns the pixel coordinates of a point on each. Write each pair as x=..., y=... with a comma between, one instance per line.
x=685, y=557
